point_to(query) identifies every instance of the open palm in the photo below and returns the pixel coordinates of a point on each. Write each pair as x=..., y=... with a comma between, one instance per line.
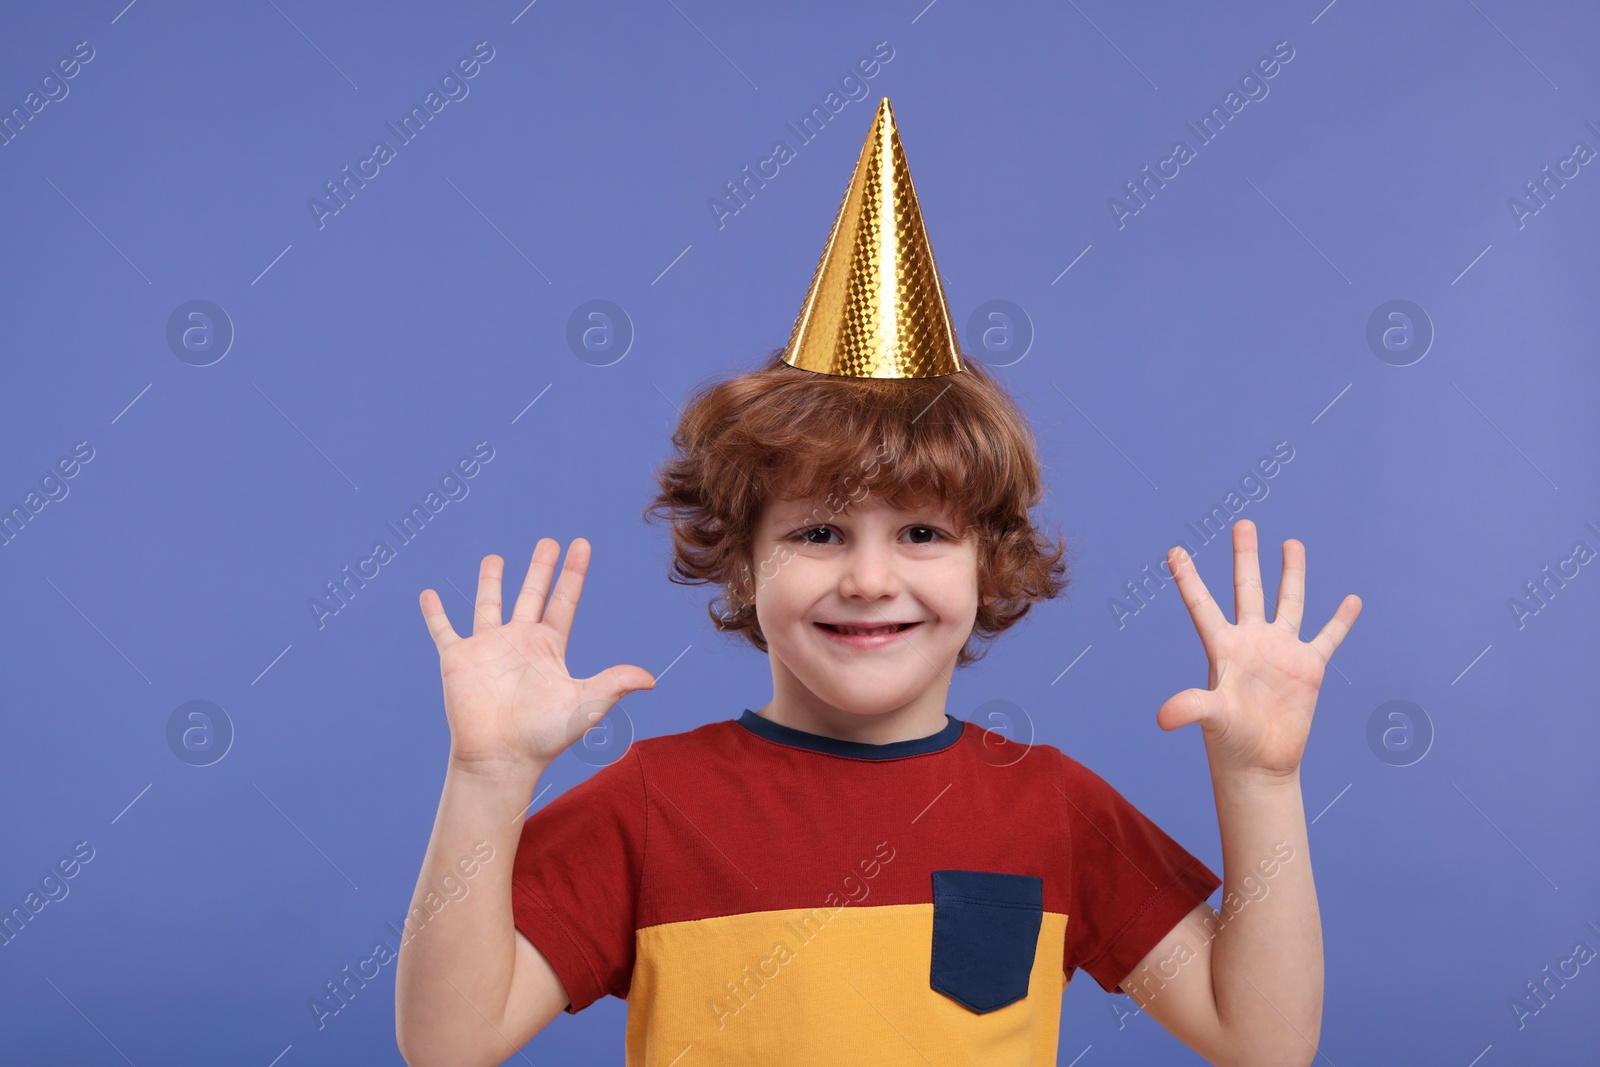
x=507, y=693
x=1257, y=707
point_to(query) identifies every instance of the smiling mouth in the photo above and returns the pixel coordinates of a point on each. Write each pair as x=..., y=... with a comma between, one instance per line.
x=868, y=631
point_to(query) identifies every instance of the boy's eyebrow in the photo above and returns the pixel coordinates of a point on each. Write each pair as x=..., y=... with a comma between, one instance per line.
x=819, y=511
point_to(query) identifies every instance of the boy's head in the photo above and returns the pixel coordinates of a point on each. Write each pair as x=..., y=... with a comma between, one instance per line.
x=813, y=499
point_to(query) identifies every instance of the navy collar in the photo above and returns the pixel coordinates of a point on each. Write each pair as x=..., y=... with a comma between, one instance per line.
x=833, y=746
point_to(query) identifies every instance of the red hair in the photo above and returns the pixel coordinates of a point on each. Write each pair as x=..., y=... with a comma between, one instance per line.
x=781, y=432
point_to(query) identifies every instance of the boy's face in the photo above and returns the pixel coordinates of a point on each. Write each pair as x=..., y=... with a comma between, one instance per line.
x=817, y=568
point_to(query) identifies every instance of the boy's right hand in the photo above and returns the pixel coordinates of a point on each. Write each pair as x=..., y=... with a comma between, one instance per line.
x=511, y=704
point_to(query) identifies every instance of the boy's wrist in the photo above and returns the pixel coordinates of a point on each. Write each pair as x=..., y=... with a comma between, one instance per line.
x=495, y=775
x=1255, y=778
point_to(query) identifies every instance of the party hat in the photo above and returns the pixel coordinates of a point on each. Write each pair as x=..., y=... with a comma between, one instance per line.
x=876, y=308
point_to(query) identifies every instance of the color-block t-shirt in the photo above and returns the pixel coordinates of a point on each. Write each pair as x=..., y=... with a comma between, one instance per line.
x=760, y=894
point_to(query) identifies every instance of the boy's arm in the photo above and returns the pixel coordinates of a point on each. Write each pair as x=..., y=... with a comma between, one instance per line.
x=469, y=987
x=1244, y=985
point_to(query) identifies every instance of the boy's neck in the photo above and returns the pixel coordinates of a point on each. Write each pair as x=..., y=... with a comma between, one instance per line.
x=921, y=718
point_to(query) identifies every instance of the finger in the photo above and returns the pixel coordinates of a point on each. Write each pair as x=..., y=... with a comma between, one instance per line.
x=444, y=635
x=1291, y=588
x=1191, y=705
x=1203, y=609
x=1332, y=635
x=1248, y=602
x=623, y=679
x=564, y=598
x=486, y=613
x=530, y=602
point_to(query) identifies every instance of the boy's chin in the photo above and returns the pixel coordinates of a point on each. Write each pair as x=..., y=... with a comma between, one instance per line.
x=866, y=697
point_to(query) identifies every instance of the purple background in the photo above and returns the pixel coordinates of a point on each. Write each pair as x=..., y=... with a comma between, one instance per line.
x=1230, y=313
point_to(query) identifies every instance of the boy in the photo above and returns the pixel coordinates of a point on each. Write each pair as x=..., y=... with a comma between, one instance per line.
x=849, y=874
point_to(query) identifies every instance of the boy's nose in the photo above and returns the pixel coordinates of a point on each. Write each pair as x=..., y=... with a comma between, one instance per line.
x=871, y=573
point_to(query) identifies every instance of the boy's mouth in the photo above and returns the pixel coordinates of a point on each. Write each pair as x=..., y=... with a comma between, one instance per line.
x=868, y=631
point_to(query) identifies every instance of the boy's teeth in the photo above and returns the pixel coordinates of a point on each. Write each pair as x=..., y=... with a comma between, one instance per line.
x=863, y=630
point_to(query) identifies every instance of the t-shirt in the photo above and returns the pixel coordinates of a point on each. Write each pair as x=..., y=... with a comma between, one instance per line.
x=761, y=894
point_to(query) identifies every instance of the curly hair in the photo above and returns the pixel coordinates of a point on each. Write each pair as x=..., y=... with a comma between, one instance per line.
x=781, y=432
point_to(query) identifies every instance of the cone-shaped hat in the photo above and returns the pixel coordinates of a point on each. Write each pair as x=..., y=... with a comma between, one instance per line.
x=876, y=308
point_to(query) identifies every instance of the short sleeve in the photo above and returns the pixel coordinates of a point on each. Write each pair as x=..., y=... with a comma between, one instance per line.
x=575, y=880
x=1130, y=882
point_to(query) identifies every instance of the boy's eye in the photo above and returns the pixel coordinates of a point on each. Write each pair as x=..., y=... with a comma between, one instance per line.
x=805, y=535
x=917, y=531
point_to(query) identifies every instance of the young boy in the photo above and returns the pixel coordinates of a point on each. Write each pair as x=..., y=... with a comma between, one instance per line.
x=849, y=874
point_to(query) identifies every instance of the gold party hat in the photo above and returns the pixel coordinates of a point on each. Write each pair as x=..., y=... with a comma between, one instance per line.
x=876, y=308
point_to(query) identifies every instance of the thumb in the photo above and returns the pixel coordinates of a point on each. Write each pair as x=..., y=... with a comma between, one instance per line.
x=1191, y=705
x=623, y=679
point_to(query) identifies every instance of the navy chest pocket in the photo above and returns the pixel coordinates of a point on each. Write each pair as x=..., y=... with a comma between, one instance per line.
x=985, y=929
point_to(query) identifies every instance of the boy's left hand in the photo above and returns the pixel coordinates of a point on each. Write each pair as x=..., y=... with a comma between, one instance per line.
x=1256, y=711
